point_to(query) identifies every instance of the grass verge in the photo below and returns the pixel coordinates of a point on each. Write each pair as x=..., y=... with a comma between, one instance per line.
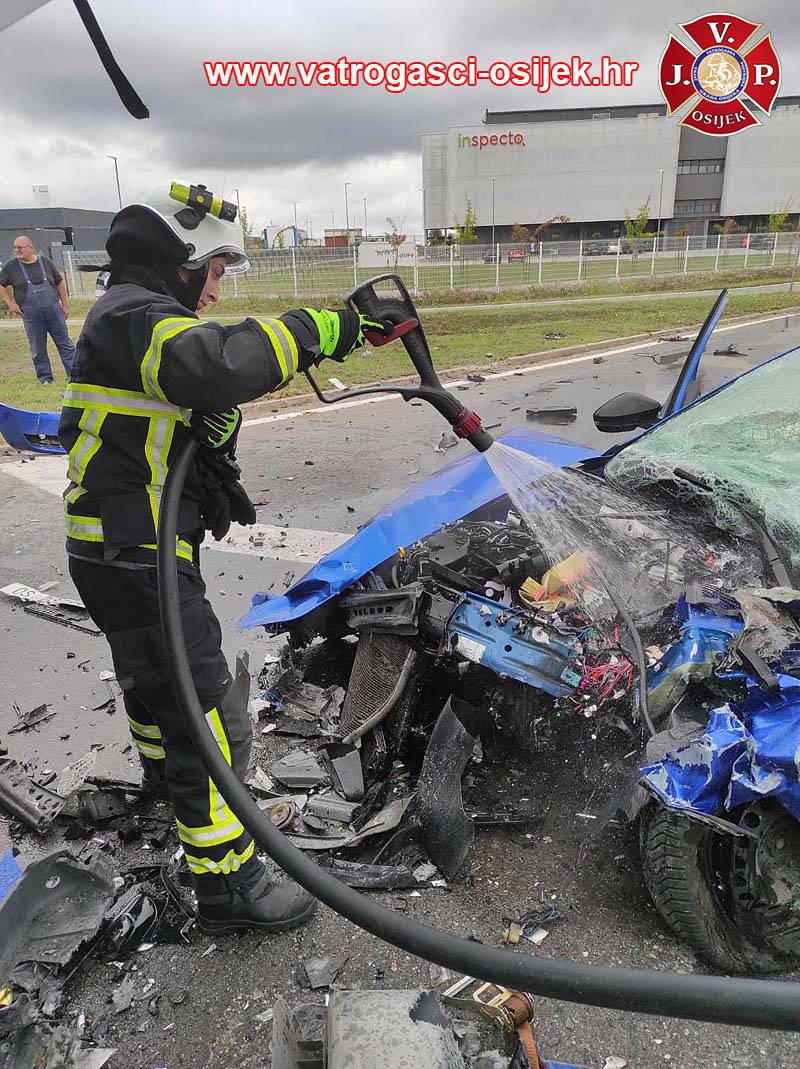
x=457, y=338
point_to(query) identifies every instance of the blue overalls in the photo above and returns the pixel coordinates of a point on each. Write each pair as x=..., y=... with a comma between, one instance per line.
x=42, y=315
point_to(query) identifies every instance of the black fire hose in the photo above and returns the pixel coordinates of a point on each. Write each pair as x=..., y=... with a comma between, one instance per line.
x=755, y=1003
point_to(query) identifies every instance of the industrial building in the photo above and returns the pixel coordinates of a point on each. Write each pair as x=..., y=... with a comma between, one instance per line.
x=595, y=164
x=52, y=228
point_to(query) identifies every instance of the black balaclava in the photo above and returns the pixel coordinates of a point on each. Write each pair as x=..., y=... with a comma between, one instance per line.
x=145, y=251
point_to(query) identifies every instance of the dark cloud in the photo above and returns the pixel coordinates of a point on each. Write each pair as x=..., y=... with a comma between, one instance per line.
x=59, y=105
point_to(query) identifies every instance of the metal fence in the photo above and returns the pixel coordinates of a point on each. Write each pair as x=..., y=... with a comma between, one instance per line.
x=429, y=269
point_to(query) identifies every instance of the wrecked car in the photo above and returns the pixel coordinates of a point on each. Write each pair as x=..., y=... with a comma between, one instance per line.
x=649, y=591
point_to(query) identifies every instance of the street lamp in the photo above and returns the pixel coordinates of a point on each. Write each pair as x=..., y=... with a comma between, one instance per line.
x=424, y=220
x=365, y=219
x=346, y=214
x=493, y=213
x=116, y=172
x=296, y=234
x=660, y=192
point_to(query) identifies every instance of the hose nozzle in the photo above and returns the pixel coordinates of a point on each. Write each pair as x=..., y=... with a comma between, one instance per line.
x=468, y=425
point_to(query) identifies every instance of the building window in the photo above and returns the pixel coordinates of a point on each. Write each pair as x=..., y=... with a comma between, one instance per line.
x=696, y=207
x=601, y=114
x=700, y=166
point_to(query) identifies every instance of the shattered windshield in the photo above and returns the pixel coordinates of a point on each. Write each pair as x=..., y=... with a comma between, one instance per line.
x=738, y=450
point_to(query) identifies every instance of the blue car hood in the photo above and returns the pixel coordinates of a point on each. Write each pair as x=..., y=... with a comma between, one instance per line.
x=449, y=495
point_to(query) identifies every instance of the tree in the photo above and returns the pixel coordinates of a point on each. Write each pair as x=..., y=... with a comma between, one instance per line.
x=436, y=237
x=779, y=218
x=465, y=232
x=521, y=234
x=636, y=225
x=251, y=241
x=538, y=231
x=395, y=239
x=730, y=226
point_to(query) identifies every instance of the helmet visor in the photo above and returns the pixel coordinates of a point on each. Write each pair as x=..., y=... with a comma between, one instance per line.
x=236, y=262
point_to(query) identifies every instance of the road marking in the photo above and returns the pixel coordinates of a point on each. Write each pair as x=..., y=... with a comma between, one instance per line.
x=279, y=543
x=526, y=369
x=262, y=539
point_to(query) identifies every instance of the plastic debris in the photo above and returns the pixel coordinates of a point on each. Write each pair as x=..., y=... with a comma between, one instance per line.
x=554, y=416
x=35, y=806
x=613, y=1061
x=447, y=441
x=33, y=717
x=344, y=762
x=300, y=768
x=66, y=611
x=122, y=995
x=318, y=973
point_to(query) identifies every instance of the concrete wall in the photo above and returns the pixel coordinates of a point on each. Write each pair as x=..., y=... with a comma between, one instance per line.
x=762, y=169
x=592, y=170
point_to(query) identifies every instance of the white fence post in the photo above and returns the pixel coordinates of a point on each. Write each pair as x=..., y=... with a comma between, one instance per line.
x=580, y=259
x=497, y=268
x=540, y=261
x=686, y=256
x=746, y=249
x=716, y=258
x=774, y=249
x=68, y=260
x=616, y=269
x=294, y=272
x=416, y=269
x=452, y=261
x=355, y=261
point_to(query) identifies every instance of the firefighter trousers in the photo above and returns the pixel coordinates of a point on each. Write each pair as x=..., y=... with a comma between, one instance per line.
x=123, y=602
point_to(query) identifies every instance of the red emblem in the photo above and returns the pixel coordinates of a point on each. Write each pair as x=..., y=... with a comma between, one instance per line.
x=719, y=81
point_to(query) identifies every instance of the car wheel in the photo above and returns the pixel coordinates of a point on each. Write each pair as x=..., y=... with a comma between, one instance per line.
x=735, y=900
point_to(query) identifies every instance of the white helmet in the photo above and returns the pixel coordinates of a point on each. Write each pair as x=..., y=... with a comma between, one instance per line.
x=204, y=223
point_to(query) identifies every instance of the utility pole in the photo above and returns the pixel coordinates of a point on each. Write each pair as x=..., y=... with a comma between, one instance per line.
x=239, y=217
x=296, y=233
x=346, y=213
x=660, y=194
x=365, y=219
x=493, y=245
x=424, y=222
x=116, y=173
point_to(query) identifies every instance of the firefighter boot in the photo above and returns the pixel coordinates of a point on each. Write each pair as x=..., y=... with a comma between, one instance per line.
x=268, y=905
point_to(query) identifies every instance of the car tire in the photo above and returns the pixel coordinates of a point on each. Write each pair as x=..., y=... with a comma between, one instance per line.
x=695, y=876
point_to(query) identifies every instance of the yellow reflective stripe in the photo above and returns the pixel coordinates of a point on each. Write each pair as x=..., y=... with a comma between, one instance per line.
x=183, y=549
x=218, y=810
x=86, y=444
x=122, y=402
x=232, y=862
x=156, y=450
x=84, y=528
x=146, y=749
x=283, y=354
x=149, y=731
x=151, y=362
x=72, y=493
x=212, y=835
x=282, y=329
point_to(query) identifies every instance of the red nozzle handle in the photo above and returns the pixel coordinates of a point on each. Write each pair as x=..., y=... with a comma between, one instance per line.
x=375, y=339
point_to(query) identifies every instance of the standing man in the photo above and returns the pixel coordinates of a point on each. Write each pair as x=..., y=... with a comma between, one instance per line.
x=32, y=287
x=148, y=375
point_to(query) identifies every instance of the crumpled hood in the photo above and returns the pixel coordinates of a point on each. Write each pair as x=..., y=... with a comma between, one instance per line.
x=450, y=494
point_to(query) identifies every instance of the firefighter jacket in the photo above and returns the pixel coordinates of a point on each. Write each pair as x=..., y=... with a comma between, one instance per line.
x=143, y=363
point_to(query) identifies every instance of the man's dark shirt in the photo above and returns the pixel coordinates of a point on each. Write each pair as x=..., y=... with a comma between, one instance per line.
x=11, y=275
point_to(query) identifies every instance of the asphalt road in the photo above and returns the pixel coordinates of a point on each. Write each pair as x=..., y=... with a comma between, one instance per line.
x=320, y=474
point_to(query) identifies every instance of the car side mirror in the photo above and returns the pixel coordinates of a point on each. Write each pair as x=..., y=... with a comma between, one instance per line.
x=627, y=412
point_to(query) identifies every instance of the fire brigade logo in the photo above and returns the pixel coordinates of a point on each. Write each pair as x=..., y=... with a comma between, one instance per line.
x=721, y=82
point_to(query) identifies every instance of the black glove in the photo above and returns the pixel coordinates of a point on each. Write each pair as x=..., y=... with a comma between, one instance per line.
x=217, y=430
x=224, y=499
x=334, y=335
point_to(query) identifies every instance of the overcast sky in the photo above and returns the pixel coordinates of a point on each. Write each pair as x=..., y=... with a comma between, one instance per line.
x=60, y=115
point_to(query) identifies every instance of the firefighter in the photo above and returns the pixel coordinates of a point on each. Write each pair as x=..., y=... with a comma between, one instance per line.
x=148, y=373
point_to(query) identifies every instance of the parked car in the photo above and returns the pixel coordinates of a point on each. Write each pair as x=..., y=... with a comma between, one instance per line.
x=477, y=628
